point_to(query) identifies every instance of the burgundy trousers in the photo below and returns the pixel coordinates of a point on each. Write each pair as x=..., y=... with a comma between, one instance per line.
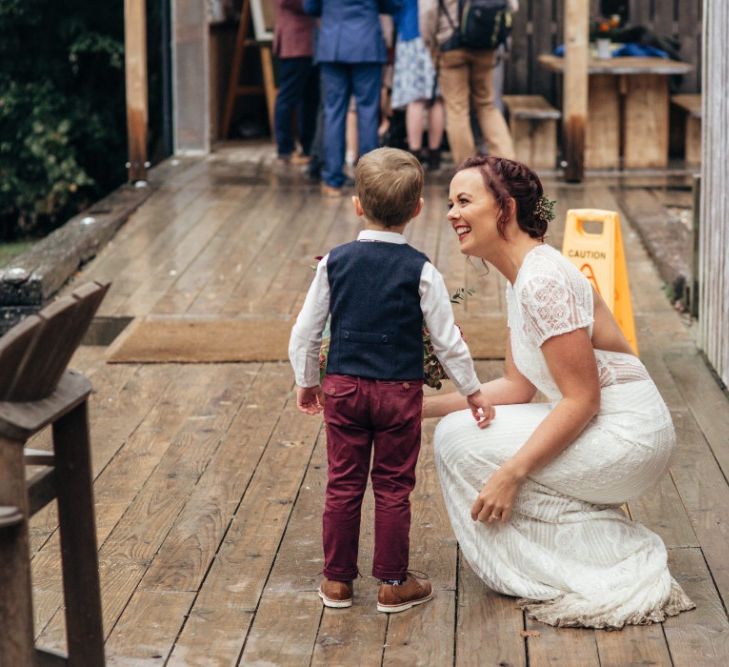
x=363, y=415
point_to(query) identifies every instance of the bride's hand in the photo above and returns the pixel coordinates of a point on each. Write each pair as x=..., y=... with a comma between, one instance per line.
x=496, y=500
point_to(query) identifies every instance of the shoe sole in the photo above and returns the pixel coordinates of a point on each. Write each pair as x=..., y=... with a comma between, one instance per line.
x=334, y=604
x=394, y=608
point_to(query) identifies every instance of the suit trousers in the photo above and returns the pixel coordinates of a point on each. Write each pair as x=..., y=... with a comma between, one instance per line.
x=340, y=81
x=298, y=91
x=466, y=80
x=378, y=420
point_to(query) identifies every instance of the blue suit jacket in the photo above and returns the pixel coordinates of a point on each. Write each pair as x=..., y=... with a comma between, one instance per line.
x=350, y=29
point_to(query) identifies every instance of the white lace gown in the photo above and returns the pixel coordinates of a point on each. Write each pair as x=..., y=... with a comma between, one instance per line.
x=569, y=551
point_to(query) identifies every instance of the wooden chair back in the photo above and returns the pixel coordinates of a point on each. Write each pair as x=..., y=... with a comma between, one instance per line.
x=34, y=353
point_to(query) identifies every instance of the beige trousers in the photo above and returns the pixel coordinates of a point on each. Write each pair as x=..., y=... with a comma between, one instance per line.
x=466, y=78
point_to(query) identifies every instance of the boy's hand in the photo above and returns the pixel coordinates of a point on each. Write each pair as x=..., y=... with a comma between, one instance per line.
x=483, y=412
x=310, y=399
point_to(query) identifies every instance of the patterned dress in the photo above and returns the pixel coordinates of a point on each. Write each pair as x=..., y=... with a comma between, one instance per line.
x=569, y=552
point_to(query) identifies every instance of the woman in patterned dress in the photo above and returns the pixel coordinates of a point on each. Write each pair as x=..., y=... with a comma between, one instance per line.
x=535, y=498
x=414, y=87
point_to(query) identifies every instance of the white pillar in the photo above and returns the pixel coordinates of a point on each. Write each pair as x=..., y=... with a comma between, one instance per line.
x=190, y=77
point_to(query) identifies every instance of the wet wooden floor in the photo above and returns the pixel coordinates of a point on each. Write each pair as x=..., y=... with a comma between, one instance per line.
x=209, y=484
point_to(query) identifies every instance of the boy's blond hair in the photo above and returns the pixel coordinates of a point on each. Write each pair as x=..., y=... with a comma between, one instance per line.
x=389, y=184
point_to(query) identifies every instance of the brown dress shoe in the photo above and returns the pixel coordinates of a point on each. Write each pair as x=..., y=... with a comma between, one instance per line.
x=331, y=191
x=393, y=598
x=336, y=594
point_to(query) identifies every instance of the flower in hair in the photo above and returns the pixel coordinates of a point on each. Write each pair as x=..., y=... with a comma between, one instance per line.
x=544, y=210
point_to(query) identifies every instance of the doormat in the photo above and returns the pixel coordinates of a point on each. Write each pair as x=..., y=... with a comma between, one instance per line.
x=185, y=341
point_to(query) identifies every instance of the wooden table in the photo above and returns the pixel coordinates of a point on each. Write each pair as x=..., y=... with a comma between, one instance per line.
x=628, y=107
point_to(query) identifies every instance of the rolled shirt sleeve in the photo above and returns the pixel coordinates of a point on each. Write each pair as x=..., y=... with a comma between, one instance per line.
x=449, y=346
x=305, y=340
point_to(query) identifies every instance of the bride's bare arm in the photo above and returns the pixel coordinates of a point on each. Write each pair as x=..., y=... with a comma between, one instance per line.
x=512, y=387
x=571, y=362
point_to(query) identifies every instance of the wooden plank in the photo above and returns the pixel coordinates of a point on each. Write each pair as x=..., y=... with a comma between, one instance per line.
x=602, y=147
x=292, y=581
x=232, y=589
x=708, y=403
x=690, y=103
x=530, y=106
x=646, y=122
x=188, y=550
x=424, y=635
x=705, y=495
x=146, y=632
x=633, y=645
x=566, y=647
x=575, y=95
x=82, y=594
x=701, y=636
x=21, y=420
x=135, y=70
x=489, y=625
x=690, y=32
x=621, y=65
x=16, y=615
x=151, y=480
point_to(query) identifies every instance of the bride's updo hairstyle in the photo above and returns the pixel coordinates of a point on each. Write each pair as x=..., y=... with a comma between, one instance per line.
x=507, y=179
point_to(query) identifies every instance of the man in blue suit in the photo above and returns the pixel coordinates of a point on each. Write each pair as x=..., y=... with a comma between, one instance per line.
x=351, y=53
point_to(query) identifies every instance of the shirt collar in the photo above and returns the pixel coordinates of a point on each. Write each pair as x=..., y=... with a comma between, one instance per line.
x=386, y=237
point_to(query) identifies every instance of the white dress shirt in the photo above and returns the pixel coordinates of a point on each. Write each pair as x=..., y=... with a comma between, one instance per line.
x=449, y=346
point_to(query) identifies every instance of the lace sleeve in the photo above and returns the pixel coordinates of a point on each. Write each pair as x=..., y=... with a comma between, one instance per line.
x=552, y=305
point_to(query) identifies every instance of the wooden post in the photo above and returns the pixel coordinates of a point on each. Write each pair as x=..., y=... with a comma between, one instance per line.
x=16, y=615
x=135, y=62
x=574, y=103
x=84, y=628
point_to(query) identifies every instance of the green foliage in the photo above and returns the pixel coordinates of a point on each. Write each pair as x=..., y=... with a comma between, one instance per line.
x=62, y=113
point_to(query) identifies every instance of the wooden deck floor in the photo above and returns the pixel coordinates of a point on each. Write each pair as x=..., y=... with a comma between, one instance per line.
x=209, y=484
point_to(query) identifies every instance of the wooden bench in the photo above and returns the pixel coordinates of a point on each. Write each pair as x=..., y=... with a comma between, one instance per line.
x=36, y=391
x=533, y=124
x=691, y=104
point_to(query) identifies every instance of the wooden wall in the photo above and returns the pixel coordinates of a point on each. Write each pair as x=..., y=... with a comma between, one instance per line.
x=714, y=222
x=538, y=29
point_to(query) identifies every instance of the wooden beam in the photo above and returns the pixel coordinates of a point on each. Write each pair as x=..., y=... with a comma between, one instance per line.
x=574, y=103
x=135, y=62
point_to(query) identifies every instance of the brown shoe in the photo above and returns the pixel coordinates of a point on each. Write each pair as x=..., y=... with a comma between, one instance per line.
x=393, y=598
x=336, y=594
x=331, y=191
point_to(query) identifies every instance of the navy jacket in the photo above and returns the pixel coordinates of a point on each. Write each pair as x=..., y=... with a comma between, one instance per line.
x=350, y=30
x=376, y=319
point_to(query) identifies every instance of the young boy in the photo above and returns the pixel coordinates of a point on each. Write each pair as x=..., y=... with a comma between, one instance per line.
x=378, y=291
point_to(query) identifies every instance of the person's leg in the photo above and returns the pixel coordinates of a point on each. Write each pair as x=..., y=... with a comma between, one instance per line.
x=453, y=78
x=348, y=457
x=366, y=86
x=490, y=119
x=336, y=80
x=436, y=124
x=308, y=106
x=317, y=142
x=289, y=91
x=414, y=113
x=396, y=448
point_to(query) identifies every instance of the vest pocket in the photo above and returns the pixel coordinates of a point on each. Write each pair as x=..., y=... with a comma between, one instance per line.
x=368, y=337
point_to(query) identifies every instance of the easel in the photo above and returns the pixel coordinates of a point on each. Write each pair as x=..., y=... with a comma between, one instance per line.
x=235, y=89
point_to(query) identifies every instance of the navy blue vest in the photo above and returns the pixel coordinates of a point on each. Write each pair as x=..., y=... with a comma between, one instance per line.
x=376, y=321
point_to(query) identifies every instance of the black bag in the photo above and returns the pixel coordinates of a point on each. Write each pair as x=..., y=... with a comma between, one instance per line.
x=482, y=24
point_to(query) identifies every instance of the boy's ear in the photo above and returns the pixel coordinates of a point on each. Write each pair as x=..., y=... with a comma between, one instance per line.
x=418, y=207
x=358, y=210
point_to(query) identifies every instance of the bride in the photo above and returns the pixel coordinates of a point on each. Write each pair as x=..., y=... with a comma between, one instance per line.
x=534, y=499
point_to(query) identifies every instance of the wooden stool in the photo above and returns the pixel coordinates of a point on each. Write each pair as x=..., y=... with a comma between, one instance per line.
x=533, y=124
x=36, y=391
x=691, y=104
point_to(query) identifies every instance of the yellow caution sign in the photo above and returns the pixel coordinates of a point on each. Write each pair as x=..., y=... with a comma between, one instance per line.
x=600, y=256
